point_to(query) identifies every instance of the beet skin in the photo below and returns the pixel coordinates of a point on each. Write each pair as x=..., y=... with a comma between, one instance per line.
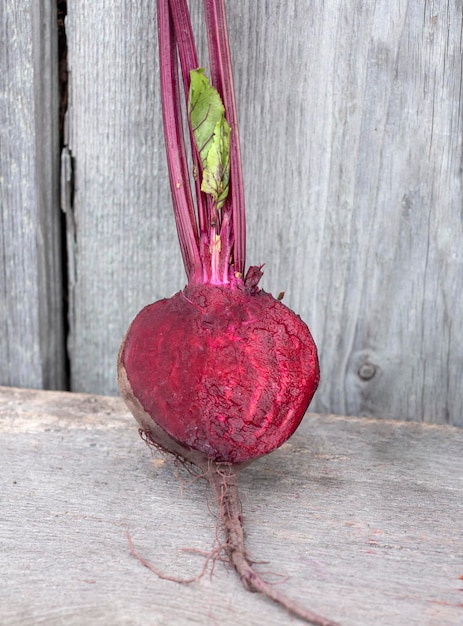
x=223, y=372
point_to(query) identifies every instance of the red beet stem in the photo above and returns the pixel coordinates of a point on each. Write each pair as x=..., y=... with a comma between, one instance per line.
x=222, y=79
x=175, y=143
x=189, y=61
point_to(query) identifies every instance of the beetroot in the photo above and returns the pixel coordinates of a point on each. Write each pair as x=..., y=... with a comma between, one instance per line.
x=220, y=373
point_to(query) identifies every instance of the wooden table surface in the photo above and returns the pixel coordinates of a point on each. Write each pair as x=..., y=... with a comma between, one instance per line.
x=363, y=517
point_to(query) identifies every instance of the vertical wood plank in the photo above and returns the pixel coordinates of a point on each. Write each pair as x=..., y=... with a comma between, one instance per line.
x=31, y=337
x=350, y=116
x=126, y=252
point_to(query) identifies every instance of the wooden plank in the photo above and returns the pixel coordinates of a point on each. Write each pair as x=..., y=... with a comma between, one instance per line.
x=350, y=115
x=364, y=516
x=389, y=272
x=31, y=337
x=124, y=226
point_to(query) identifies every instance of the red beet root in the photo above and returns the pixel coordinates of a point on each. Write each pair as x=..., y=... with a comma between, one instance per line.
x=220, y=373
x=224, y=372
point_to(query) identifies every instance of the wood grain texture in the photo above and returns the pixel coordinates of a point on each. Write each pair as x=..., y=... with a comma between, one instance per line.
x=350, y=116
x=363, y=515
x=31, y=318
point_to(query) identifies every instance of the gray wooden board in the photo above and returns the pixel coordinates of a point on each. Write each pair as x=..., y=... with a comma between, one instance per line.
x=31, y=291
x=364, y=516
x=350, y=116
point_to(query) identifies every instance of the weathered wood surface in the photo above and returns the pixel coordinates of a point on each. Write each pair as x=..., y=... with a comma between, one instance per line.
x=350, y=115
x=31, y=291
x=364, y=516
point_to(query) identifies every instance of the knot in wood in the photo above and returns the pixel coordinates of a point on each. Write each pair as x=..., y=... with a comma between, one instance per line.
x=367, y=371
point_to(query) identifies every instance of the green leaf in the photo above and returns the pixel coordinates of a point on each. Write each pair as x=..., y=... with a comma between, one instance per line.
x=212, y=136
x=216, y=175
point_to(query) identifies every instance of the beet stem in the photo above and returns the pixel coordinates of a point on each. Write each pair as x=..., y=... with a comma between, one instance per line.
x=175, y=142
x=189, y=61
x=222, y=79
x=224, y=480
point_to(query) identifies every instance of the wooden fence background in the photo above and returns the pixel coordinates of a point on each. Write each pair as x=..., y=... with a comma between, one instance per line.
x=351, y=127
